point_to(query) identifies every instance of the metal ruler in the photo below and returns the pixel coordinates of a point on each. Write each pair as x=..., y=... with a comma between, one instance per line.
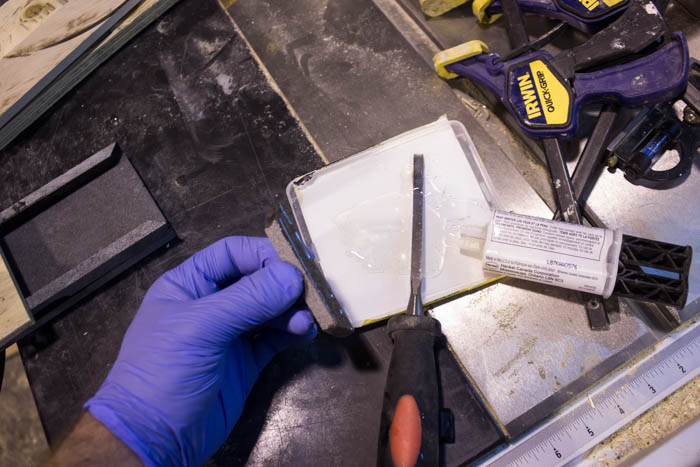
x=592, y=417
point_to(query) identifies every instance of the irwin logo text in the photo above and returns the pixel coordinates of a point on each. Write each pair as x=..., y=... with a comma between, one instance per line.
x=527, y=90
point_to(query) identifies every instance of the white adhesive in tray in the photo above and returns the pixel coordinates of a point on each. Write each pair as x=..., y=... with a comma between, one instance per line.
x=357, y=214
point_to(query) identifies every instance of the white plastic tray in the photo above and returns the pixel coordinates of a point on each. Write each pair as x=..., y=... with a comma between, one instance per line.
x=355, y=215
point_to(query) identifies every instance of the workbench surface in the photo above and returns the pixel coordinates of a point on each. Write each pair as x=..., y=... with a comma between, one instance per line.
x=214, y=142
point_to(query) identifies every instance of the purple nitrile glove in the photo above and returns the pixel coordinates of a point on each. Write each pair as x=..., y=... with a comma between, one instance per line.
x=195, y=348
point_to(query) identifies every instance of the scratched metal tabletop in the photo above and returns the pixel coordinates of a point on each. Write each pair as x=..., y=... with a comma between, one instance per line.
x=529, y=347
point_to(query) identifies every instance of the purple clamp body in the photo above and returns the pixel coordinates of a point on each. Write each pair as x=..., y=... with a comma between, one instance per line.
x=589, y=16
x=546, y=105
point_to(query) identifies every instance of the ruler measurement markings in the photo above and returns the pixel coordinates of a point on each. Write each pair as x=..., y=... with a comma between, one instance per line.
x=619, y=407
x=567, y=430
x=622, y=398
x=680, y=367
x=557, y=453
x=532, y=454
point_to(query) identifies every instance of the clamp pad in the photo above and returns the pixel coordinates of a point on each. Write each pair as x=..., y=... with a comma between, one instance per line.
x=438, y=7
x=479, y=9
x=456, y=54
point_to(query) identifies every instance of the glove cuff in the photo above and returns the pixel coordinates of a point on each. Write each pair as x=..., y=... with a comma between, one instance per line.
x=131, y=425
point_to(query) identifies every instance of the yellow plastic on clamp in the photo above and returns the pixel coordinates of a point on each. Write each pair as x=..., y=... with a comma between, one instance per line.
x=439, y=7
x=455, y=54
x=479, y=8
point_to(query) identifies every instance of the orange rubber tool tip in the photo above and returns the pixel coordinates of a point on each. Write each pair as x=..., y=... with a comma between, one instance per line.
x=405, y=433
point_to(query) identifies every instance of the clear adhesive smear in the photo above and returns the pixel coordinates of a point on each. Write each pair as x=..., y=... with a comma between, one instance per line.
x=377, y=232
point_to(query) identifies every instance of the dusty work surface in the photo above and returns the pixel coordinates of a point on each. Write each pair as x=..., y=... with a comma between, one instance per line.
x=213, y=142
x=22, y=441
x=528, y=347
x=670, y=215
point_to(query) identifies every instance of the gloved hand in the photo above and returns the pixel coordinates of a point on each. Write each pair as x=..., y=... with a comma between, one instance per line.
x=195, y=348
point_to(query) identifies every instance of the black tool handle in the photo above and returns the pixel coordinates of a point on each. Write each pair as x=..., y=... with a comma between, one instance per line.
x=640, y=26
x=515, y=25
x=410, y=424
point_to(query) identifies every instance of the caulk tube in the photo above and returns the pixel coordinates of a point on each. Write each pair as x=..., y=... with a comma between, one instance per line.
x=572, y=256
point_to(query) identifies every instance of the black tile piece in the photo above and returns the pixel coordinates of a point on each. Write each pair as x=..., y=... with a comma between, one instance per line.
x=67, y=239
x=67, y=233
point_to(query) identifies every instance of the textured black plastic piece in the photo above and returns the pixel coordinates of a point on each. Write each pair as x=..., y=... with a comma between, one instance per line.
x=633, y=282
x=77, y=232
x=59, y=187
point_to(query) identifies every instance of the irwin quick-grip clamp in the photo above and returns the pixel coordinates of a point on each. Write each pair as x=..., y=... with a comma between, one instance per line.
x=545, y=100
x=588, y=16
